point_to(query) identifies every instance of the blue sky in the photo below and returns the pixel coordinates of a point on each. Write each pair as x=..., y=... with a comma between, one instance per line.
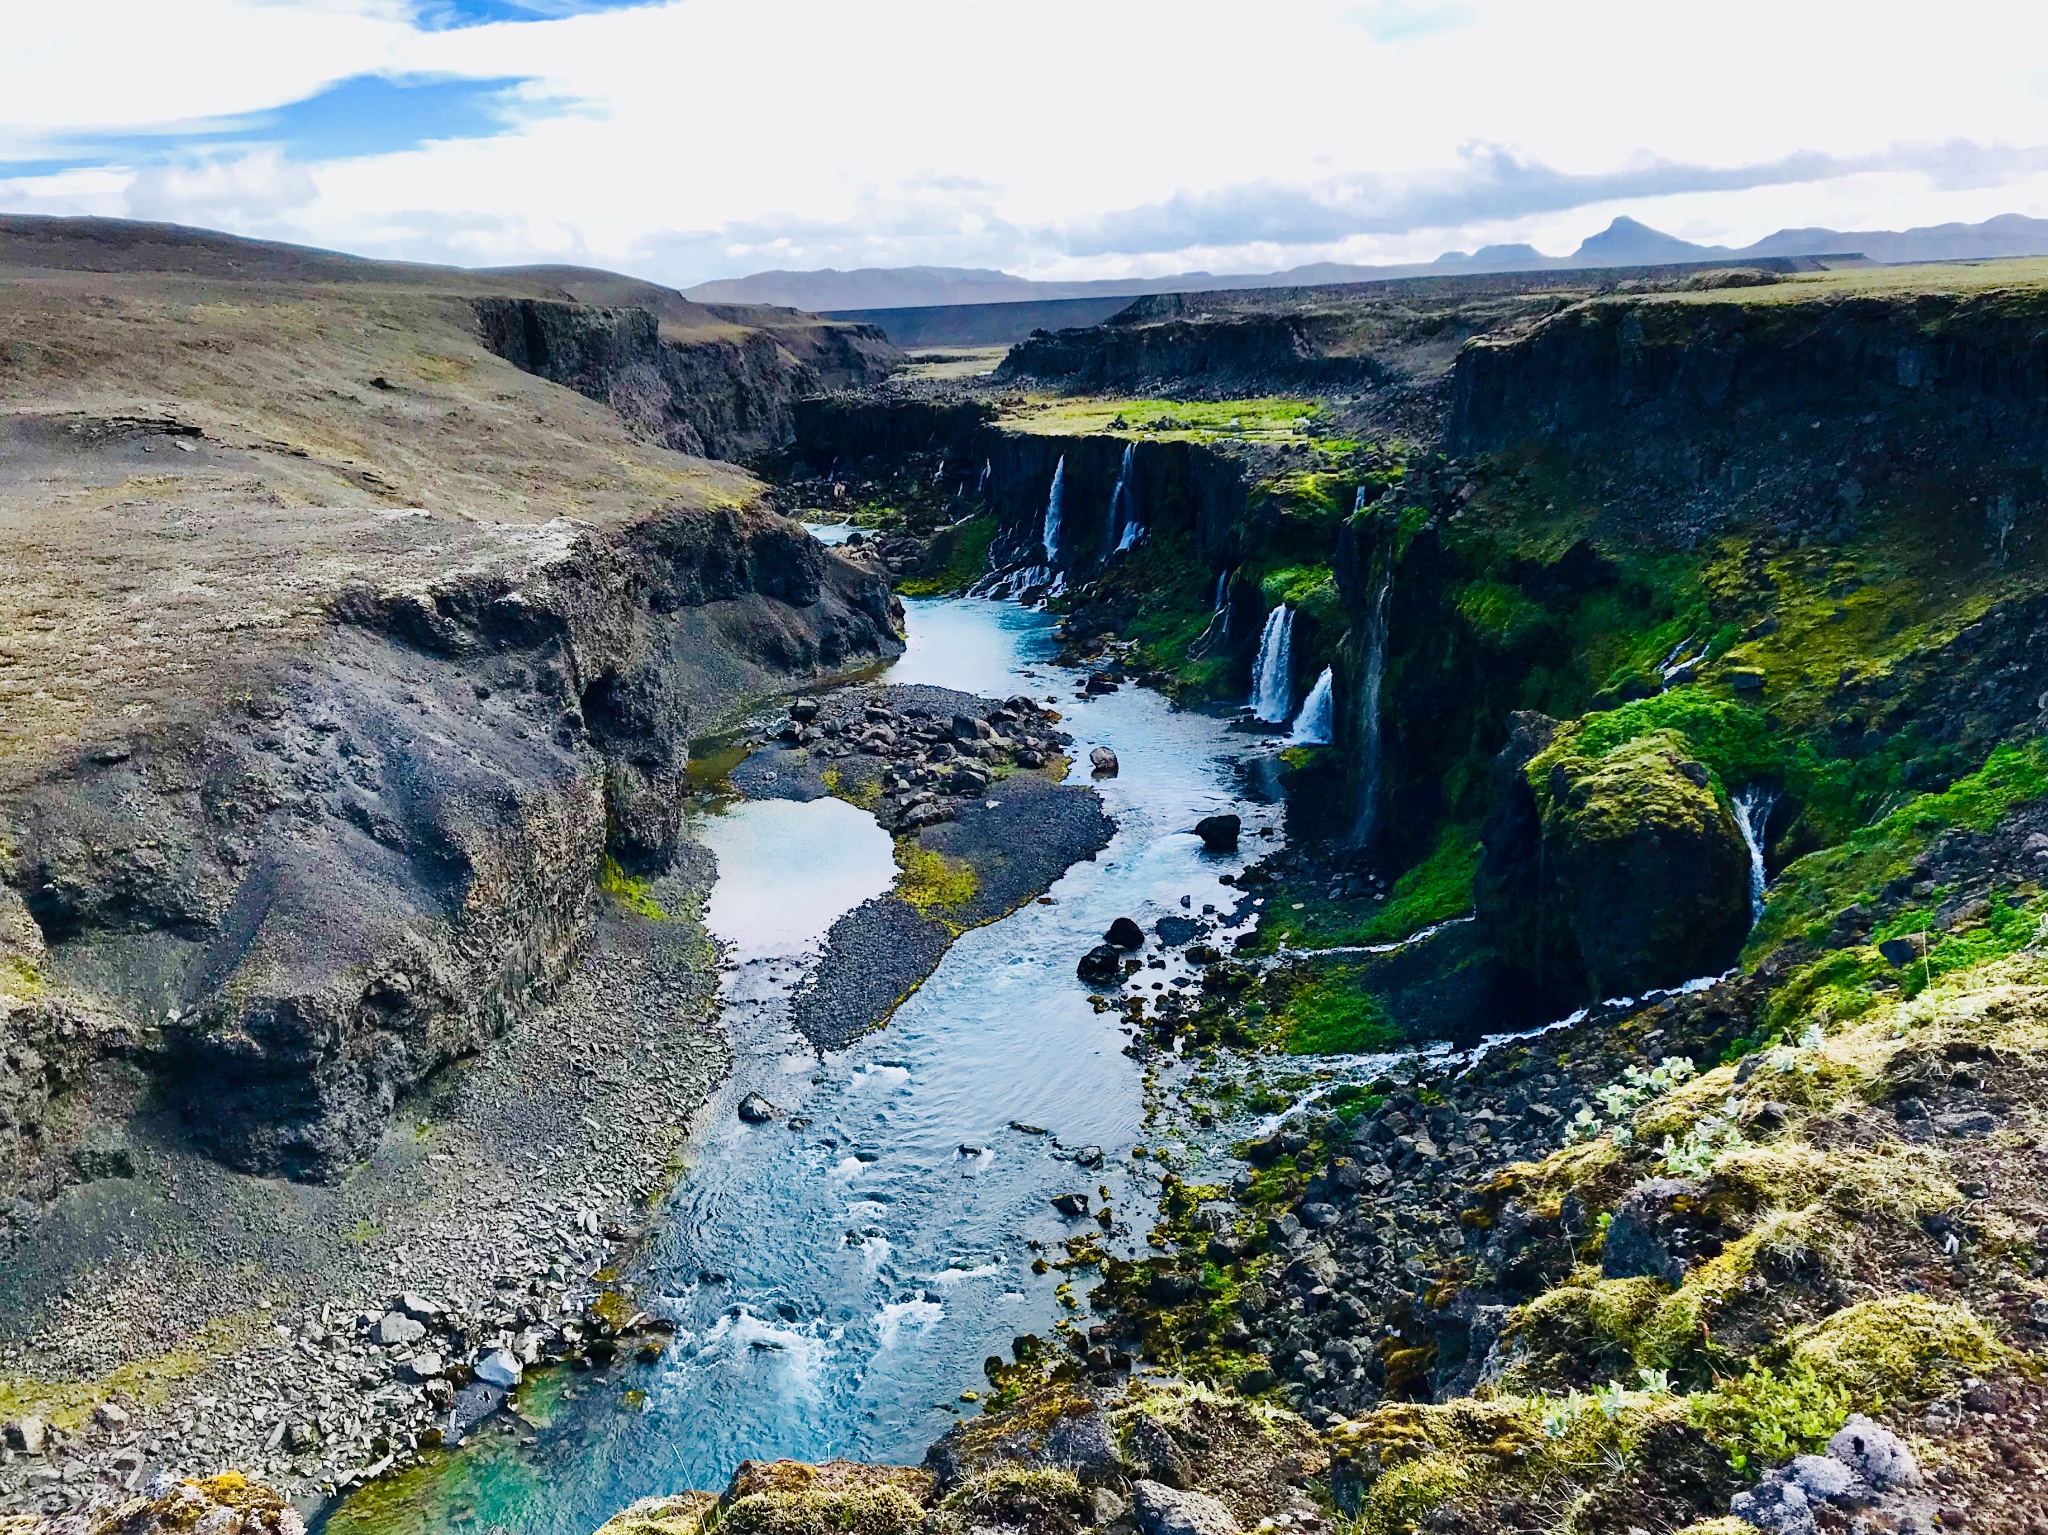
x=687, y=139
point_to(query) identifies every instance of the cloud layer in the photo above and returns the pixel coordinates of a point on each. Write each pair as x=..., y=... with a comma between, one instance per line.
x=700, y=138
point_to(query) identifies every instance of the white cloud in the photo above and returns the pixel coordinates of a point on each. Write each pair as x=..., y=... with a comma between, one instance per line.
x=1067, y=137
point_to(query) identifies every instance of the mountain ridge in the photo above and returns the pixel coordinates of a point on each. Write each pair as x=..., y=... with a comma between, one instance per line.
x=1624, y=242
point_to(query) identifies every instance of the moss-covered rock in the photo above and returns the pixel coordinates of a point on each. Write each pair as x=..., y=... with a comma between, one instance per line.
x=682, y=1514
x=1623, y=871
x=790, y=1497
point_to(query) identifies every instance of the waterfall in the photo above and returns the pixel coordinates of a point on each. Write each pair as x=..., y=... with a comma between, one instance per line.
x=1222, y=589
x=1375, y=674
x=1752, y=815
x=1317, y=715
x=1273, y=674
x=1123, y=520
x=1051, y=537
x=987, y=468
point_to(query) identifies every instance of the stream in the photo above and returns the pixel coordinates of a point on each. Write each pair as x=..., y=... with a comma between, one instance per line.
x=838, y=1275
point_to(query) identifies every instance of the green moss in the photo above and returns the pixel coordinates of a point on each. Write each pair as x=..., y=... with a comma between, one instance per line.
x=1333, y=1015
x=1501, y=614
x=1731, y=739
x=1865, y=1358
x=1310, y=589
x=1432, y=891
x=883, y=1510
x=1010, y=1495
x=683, y=1514
x=630, y=892
x=931, y=881
x=1807, y=895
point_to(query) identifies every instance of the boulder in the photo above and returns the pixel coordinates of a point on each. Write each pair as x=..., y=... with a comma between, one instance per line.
x=756, y=1110
x=394, y=1328
x=1164, y=1510
x=803, y=710
x=1219, y=833
x=499, y=1368
x=1656, y=1231
x=1073, y=1206
x=1125, y=934
x=1103, y=761
x=1100, y=965
x=1616, y=872
x=1875, y=1453
x=26, y=1436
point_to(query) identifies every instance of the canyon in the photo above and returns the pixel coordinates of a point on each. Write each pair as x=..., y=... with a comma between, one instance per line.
x=1590, y=1083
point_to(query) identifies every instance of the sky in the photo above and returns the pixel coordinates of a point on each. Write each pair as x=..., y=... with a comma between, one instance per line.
x=1058, y=139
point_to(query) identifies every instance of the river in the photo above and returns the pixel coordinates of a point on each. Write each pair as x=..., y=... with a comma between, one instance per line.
x=838, y=1275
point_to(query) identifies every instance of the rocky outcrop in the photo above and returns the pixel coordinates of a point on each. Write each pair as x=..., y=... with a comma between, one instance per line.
x=1608, y=875
x=1392, y=339
x=1685, y=413
x=730, y=395
x=389, y=845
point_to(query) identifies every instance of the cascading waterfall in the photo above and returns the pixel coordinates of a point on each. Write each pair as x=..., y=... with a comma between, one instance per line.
x=1752, y=815
x=1375, y=673
x=1273, y=673
x=1222, y=590
x=987, y=468
x=1051, y=536
x=1318, y=715
x=1123, y=511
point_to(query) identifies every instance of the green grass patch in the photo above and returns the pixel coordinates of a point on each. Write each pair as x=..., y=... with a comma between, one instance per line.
x=1434, y=890
x=1267, y=417
x=1332, y=1014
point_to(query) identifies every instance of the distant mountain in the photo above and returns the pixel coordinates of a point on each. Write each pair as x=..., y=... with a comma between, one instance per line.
x=892, y=288
x=1625, y=242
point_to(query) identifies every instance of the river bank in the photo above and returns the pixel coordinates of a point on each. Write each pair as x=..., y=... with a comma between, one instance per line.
x=836, y=1273
x=315, y=1335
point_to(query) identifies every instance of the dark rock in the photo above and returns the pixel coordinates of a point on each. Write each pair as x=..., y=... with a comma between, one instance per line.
x=1073, y=1206
x=1125, y=934
x=1900, y=952
x=1655, y=1231
x=1100, y=966
x=1103, y=762
x=756, y=1110
x=1646, y=867
x=473, y=1404
x=1164, y=1510
x=803, y=710
x=1219, y=833
x=1155, y=1455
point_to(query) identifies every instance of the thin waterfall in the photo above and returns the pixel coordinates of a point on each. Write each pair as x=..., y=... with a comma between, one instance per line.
x=1222, y=590
x=987, y=468
x=1051, y=536
x=1374, y=676
x=1752, y=816
x=1123, y=518
x=1273, y=673
x=1318, y=715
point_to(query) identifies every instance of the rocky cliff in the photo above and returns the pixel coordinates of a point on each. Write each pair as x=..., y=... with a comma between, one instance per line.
x=727, y=390
x=339, y=658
